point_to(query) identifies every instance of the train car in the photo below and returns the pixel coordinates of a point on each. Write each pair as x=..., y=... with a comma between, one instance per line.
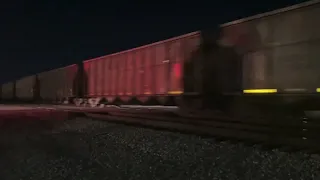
x=272, y=53
x=279, y=54
x=7, y=91
x=58, y=85
x=271, y=58
x=151, y=72
x=279, y=49
x=26, y=88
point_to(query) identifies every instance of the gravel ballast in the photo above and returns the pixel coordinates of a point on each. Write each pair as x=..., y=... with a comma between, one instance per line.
x=85, y=149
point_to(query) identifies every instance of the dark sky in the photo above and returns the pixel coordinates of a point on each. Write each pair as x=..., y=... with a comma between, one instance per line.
x=38, y=35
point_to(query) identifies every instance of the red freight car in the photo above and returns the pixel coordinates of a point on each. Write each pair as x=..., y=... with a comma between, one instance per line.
x=149, y=72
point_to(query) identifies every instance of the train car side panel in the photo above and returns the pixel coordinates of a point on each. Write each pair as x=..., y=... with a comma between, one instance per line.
x=296, y=53
x=130, y=69
x=121, y=89
x=106, y=76
x=148, y=87
x=7, y=91
x=90, y=77
x=279, y=51
x=190, y=66
x=94, y=78
x=99, y=77
x=161, y=69
x=71, y=77
x=85, y=79
x=57, y=84
x=114, y=75
x=50, y=86
x=139, y=71
x=108, y=83
x=248, y=41
x=24, y=88
x=175, y=58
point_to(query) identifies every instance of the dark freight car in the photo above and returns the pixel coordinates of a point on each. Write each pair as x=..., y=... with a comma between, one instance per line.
x=280, y=49
x=57, y=84
x=25, y=88
x=7, y=91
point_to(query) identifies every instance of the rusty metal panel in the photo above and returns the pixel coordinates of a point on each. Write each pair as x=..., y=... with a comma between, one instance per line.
x=58, y=83
x=24, y=87
x=7, y=90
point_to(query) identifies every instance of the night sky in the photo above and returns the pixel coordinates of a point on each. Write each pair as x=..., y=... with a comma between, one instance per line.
x=39, y=35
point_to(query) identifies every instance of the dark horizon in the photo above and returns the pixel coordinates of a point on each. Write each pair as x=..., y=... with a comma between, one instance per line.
x=38, y=36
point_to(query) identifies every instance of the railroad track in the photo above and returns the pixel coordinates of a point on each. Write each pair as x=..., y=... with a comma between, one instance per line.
x=289, y=134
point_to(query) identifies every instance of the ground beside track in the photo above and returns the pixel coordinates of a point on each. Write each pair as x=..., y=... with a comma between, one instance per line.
x=83, y=149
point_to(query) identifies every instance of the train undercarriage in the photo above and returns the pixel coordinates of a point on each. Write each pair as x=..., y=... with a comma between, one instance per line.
x=233, y=105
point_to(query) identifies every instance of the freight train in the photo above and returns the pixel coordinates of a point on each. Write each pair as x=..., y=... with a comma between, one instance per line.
x=270, y=59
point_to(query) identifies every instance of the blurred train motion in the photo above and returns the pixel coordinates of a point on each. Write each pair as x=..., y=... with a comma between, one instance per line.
x=271, y=59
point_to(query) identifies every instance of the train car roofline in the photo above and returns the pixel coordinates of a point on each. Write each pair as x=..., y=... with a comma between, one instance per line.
x=271, y=13
x=57, y=69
